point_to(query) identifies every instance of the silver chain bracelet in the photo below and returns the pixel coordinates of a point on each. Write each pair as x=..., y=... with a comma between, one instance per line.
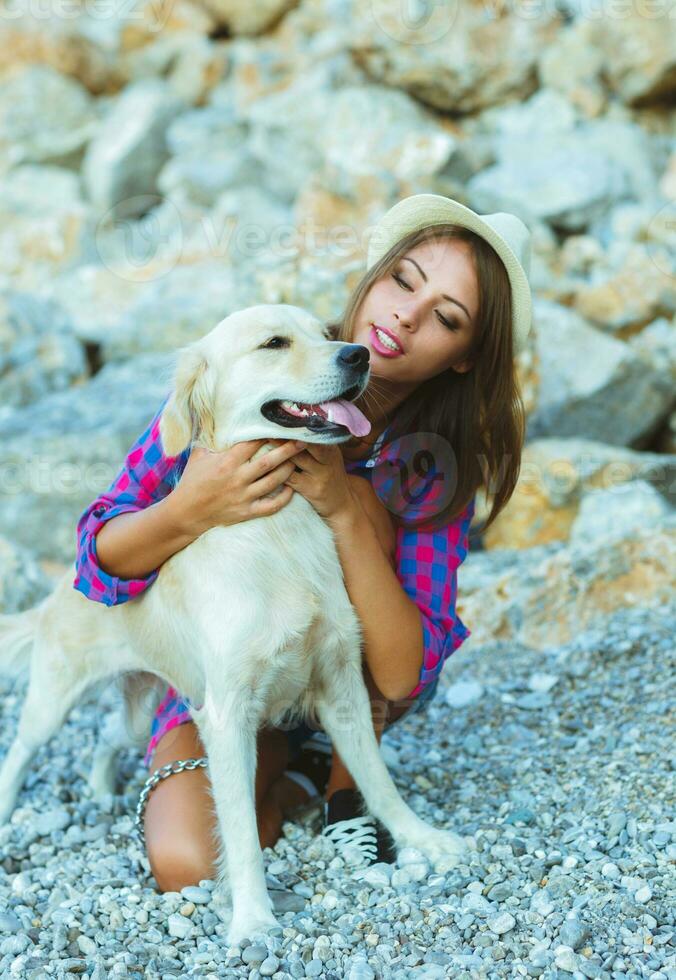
x=151, y=782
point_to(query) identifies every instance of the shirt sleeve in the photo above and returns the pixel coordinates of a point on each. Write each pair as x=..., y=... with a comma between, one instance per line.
x=426, y=566
x=147, y=476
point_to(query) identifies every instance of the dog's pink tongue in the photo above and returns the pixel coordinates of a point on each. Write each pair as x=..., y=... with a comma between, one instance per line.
x=345, y=413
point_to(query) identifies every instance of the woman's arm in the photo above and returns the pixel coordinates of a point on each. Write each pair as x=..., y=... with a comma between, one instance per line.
x=133, y=547
x=408, y=613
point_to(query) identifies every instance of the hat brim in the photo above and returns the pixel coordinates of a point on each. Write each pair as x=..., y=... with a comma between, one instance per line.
x=423, y=210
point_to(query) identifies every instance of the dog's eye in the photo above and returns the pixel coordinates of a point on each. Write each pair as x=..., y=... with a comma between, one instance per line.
x=276, y=342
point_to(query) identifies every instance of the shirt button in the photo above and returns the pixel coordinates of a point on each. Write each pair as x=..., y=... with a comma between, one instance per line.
x=370, y=462
x=99, y=511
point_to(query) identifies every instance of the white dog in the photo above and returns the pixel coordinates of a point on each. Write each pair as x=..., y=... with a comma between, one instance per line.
x=251, y=621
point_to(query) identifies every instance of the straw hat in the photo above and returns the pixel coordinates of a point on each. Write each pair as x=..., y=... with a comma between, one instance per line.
x=508, y=235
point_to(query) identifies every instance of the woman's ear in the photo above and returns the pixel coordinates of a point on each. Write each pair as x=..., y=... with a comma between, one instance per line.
x=189, y=412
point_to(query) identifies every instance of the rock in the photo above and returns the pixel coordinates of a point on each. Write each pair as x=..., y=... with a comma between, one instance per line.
x=571, y=588
x=613, y=394
x=637, y=291
x=565, y=959
x=199, y=896
x=454, y=58
x=43, y=220
x=52, y=820
x=617, y=512
x=463, y=693
x=209, y=156
x=320, y=132
x=121, y=165
x=502, y=923
x=556, y=477
x=45, y=117
x=137, y=39
x=639, y=60
x=240, y=17
x=573, y=933
x=573, y=65
x=177, y=309
x=179, y=927
x=38, y=352
x=77, y=447
x=22, y=581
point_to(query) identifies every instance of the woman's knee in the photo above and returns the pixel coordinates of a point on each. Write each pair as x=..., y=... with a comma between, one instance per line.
x=180, y=825
x=180, y=831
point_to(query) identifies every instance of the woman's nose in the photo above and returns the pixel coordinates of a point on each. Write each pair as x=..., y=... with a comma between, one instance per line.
x=404, y=318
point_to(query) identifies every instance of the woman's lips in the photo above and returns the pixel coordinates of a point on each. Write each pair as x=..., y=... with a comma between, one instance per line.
x=381, y=348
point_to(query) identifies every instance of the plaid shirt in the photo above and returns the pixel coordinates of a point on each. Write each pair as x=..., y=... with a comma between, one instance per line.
x=426, y=561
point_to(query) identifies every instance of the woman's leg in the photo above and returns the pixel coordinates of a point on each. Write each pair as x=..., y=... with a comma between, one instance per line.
x=180, y=823
x=383, y=712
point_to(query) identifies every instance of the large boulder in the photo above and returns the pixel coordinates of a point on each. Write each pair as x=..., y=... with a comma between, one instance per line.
x=545, y=597
x=595, y=385
x=45, y=117
x=451, y=56
x=559, y=478
x=77, y=440
x=38, y=350
x=122, y=163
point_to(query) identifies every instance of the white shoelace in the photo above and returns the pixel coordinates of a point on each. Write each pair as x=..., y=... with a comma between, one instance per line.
x=357, y=835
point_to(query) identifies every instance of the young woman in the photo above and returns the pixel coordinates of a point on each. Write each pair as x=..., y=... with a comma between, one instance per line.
x=443, y=308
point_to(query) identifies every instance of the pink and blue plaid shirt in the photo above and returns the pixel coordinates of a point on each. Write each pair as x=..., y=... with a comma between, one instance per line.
x=426, y=561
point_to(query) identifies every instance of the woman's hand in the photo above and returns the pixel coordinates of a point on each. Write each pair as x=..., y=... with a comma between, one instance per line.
x=221, y=488
x=324, y=482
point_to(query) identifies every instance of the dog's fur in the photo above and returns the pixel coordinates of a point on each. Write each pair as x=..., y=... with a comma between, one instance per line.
x=251, y=621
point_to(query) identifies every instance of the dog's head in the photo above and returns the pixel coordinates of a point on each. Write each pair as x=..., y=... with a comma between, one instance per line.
x=265, y=371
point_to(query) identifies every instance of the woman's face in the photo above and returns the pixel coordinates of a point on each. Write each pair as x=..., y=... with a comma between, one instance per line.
x=428, y=303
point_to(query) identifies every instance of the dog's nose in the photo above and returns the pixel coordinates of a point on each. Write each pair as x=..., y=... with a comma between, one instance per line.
x=354, y=356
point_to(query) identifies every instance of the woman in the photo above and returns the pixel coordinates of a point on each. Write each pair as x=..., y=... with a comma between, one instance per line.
x=443, y=308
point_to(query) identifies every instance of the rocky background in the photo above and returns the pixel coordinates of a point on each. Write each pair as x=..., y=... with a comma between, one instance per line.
x=165, y=163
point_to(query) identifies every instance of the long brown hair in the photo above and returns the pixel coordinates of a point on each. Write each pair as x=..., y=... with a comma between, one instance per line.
x=479, y=412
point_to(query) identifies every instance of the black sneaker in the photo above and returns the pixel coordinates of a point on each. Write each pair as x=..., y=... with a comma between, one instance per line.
x=314, y=761
x=357, y=835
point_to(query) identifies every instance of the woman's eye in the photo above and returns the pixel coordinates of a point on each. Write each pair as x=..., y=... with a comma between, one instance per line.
x=400, y=281
x=451, y=324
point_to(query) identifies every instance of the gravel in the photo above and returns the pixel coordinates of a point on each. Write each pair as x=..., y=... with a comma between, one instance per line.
x=559, y=763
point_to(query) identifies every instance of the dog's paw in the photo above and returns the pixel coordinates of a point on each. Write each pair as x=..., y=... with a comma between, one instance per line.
x=249, y=926
x=444, y=849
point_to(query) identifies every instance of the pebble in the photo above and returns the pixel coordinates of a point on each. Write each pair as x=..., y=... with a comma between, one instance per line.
x=573, y=933
x=554, y=888
x=499, y=924
x=196, y=895
x=463, y=693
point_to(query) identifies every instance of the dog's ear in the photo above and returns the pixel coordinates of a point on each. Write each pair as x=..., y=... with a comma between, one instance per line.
x=189, y=411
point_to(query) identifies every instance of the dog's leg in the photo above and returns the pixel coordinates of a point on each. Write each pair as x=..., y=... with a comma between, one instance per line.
x=344, y=710
x=228, y=724
x=125, y=726
x=112, y=738
x=52, y=692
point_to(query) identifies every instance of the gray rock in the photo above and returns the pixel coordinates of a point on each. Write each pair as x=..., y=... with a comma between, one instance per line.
x=611, y=395
x=78, y=443
x=45, y=117
x=122, y=163
x=573, y=933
